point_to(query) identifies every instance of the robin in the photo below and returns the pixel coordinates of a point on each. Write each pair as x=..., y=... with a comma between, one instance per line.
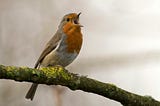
x=62, y=48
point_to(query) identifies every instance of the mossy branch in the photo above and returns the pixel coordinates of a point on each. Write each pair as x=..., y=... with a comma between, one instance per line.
x=59, y=76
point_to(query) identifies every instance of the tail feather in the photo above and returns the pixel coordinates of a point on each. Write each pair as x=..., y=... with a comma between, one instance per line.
x=31, y=92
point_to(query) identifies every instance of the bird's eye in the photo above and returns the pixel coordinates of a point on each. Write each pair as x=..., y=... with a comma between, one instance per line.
x=68, y=19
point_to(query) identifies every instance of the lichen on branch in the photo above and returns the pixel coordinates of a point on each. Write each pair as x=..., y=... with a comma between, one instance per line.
x=60, y=76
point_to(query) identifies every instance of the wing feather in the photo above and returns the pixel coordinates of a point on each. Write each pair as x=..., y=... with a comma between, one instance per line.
x=50, y=46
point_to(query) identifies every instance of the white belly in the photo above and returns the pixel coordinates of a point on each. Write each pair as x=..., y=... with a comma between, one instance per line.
x=58, y=58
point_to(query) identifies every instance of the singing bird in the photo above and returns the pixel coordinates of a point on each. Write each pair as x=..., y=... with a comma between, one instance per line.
x=62, y=48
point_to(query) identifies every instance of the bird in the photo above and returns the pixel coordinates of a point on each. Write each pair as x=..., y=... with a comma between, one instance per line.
x=62, y=48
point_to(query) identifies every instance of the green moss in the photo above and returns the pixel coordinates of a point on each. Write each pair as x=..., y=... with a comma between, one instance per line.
x=10, y=71
x=49, y=71
x=55, y=72
x=59, y=76
x=9, y=68
x=65, y=75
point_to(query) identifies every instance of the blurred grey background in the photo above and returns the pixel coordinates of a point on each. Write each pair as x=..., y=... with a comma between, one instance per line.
x=121, y=46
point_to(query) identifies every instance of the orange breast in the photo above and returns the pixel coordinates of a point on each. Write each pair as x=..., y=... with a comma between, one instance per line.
x=74, y=37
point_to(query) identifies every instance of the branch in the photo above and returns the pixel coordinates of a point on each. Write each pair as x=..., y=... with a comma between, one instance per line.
x=59, y=76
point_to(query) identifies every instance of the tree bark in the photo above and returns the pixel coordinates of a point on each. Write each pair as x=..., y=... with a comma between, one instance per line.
x=59, y=76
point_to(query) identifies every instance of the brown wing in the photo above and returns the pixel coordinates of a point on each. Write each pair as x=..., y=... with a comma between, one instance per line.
x=51, y=45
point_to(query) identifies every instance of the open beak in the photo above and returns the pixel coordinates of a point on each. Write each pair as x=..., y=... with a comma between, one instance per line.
x=77, y=20
x=78, y=15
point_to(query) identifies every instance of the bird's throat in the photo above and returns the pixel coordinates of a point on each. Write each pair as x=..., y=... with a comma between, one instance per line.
x=74, y=37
